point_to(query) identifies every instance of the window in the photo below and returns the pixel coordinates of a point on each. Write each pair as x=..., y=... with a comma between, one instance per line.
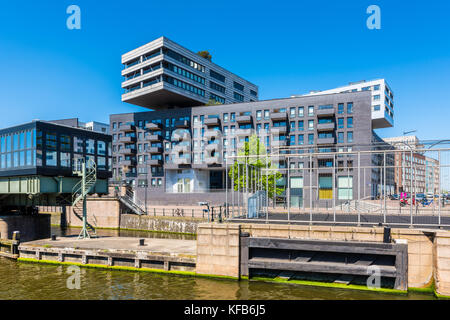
x=50, y=158
x=345, y=188
x=258, y=115
x=301, y=111
x=340, y=123
x=340, y=137
x=301, y=125
x=349, y=136
x=233, y=117
x=310, y=110
x=301, y=139
x=292, y=125
x=238, y=96
x=225, y=117
x=376, y=87
x=253, y=93
x=238, y=86
x=350, y=122
x=376, y=97
x=292, y=140
x=90, y=146
x=266, y=114
x=50, y=144
x=310, y=124
x=350, y=107
x=217, y=76
x=311, y=138
x=292, y=112
x=376, y=107
x=340, y=108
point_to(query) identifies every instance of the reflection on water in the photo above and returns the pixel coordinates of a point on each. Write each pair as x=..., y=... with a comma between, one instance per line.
x=39, y=281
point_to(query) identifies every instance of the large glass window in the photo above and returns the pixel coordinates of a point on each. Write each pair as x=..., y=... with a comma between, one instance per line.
x=51, y=142
x=51, y=159
x=78, y=145
x=345, y=188
x=90, y=146
x=101, y=148
x=64, y=159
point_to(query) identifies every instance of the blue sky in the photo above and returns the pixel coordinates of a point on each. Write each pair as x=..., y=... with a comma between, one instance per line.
x=285, y=47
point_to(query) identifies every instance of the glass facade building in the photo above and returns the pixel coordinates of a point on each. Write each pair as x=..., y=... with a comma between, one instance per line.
x=43, y=148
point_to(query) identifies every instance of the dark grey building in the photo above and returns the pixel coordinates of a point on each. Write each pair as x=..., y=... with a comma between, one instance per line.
x=162, y=73
x=180, y=153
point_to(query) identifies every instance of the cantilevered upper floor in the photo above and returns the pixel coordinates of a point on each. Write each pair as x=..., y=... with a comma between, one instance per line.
x=164, y=74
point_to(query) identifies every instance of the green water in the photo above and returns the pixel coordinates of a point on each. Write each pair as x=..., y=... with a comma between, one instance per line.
x=22, y=280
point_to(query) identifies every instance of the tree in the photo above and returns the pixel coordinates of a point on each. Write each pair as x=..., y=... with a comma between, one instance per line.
x=213, y=102
x=205, y=54
x=252, y=157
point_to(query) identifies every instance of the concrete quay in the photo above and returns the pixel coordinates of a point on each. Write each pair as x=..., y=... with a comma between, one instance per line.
x=164, y=255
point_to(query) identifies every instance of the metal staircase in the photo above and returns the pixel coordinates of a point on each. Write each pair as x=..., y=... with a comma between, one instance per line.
x=88, y=173
x=131, y=203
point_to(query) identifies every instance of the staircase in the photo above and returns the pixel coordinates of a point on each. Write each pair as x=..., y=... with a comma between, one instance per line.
x=88, y=173
x=129, y=201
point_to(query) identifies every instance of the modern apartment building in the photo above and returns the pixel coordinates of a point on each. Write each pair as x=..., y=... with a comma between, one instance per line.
x=415, y=171
x=166, y=155
x=164, y=74
x=382, y=100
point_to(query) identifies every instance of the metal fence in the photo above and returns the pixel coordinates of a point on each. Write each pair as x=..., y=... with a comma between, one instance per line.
x=389, y=186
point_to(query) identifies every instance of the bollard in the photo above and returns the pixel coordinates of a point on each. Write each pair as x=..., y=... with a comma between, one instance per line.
x=141, y=242
x=387, y=235
x=53, y=237
x=192, y=213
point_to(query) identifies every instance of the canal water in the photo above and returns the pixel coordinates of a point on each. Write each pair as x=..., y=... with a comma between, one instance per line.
x=20, y=280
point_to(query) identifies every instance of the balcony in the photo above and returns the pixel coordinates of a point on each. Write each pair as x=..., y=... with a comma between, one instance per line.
x=279, y=143
x=212, y=122
x=127, y=139
x=325, y=140
x=212, y=146
x=128, y=163
x=212, y=161
x=127, y=151
x=244, y=119
x=155, y=162
x=213, y=133
x=279, y=116
x=325, y=126
x=155, y=150
x=279, y=130
x=128, y=128
x=183, y=124
x=155, y=137
x=153, y=126
x=325, y=112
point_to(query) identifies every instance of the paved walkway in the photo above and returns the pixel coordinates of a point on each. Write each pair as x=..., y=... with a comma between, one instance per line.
x=122, y=244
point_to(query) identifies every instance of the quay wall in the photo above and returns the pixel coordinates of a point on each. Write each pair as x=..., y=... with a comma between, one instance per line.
x=428, y=250
x=160, y=224
x=31, y=227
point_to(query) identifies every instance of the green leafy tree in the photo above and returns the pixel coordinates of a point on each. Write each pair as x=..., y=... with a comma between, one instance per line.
x=212, y=102
x=205, y=54
x=253, y=157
